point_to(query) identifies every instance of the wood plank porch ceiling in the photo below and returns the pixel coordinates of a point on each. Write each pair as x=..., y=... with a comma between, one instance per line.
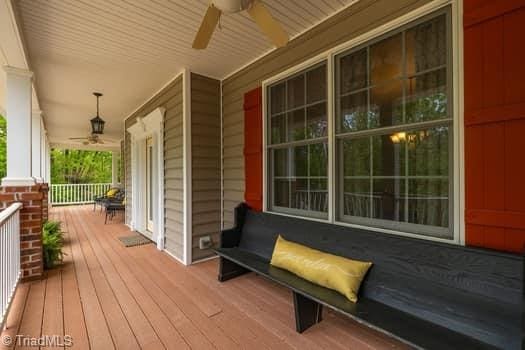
x=130, y=49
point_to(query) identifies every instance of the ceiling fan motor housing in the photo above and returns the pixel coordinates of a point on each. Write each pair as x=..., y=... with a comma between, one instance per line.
x=232, y=6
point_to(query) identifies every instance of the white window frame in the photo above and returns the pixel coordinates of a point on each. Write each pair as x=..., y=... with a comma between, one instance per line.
x=458, y=193
x=306, y=141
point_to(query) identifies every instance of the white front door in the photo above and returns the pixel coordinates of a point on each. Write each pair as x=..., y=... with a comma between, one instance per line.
x=150, y=192
x=147, y=176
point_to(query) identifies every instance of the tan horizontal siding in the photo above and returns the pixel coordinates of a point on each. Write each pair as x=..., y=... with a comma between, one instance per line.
x=173, y=182
x=349, y=23
x=206, y=161
x=171, y=99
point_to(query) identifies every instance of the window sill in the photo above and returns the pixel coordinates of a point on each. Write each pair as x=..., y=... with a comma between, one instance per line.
x=453, y=240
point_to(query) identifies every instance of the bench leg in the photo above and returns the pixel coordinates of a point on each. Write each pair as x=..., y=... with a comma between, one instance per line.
x=307, y=312
x=229, y=270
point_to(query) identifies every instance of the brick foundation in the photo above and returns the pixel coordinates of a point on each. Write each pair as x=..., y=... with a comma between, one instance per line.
x=32, y=215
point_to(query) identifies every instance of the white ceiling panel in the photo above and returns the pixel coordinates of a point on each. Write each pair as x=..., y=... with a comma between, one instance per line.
x=128, y=49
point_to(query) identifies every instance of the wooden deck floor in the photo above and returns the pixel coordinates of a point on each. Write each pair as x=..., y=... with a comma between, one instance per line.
x=106, y=296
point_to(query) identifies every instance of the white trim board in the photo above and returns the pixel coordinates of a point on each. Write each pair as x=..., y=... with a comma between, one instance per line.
x=213, y=257
x=151, y=125
x=187, y=165
x=171, y=255
x=458, y=132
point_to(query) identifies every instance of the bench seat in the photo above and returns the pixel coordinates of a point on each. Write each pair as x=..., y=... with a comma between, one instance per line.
x=428, y=294
x=399, y=325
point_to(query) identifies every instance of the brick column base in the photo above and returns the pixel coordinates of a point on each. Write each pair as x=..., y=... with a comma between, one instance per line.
x=31, y=219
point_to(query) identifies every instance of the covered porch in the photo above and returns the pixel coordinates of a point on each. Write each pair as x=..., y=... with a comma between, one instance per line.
x=377, y=133
x=106, y=296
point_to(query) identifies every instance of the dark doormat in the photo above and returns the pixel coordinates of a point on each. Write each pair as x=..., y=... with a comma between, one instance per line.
x=134, y=240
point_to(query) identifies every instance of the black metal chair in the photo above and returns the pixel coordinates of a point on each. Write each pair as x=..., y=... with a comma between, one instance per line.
x=112, y=208
x=107, y=196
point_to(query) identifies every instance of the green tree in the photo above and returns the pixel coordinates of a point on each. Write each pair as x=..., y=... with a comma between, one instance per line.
x=3, y=147
x=80, y=167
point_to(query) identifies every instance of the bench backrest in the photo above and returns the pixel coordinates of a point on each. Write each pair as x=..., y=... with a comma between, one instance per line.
x=412, y=275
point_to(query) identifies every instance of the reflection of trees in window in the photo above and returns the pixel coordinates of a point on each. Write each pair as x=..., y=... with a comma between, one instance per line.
x=393, y=133
x=393, y=129
x=3, y=147
x=298, y=151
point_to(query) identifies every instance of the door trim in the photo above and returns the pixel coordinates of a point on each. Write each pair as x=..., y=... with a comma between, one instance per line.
x=152, y=126
x=150, y=170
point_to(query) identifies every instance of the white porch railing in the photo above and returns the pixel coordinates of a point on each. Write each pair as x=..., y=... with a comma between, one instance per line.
x=68, y=194
x=9, y=257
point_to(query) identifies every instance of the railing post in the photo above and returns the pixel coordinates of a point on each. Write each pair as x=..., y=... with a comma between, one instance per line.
x=9, y=257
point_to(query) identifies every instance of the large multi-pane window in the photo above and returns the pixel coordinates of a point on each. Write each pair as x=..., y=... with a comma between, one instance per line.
x=394, y=130
x=393, y=123
x=298, y=143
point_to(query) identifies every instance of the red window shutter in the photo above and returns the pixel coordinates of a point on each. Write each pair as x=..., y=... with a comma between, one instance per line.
x=253, y=144
x=495, y=124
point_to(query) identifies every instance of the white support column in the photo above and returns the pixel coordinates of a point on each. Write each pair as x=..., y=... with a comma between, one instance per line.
x=187, y=164
x=36, y=146
x=114, y=168
x=18, y=115
x=43, y=151
x=48, y=161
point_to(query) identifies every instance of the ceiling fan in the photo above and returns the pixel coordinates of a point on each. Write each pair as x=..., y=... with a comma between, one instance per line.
x=92, y=139
x=97, y=128
x=257, y=11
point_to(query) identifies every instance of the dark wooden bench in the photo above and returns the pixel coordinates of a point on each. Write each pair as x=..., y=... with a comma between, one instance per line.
x=427, y=294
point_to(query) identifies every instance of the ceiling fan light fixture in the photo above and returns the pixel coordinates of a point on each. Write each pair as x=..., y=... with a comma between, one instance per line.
x=232, y=6
x=97, y=123
x=257, y=11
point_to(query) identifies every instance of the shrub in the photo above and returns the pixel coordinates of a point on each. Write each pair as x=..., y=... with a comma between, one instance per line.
x=52, y=241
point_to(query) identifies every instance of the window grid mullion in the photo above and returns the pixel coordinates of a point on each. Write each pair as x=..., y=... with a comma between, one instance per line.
x=305, y=87
x=371, y=181
x=299, y=143
x=386, y=82
x=405, y=79
x=428, y=124
x=368, y=113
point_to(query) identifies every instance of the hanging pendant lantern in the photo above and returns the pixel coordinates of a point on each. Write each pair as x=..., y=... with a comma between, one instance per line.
x=97, y=123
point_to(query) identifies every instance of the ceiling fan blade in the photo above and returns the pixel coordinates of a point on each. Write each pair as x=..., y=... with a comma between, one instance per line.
x=209, y=22
x=78, y=138
x=270, y=27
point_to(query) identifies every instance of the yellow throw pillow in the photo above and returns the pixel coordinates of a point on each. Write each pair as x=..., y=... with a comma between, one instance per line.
x=112, y=192
x=327, y=270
